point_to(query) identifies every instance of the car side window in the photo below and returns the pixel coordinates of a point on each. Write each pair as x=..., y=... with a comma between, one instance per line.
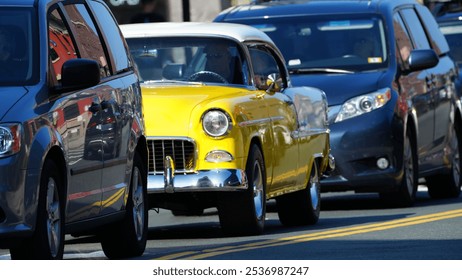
x=264, y=65
x=61, y=46
x=419, y=38
x=403, y=41
x=115, y=42
x=438, y=41
x=86, y=36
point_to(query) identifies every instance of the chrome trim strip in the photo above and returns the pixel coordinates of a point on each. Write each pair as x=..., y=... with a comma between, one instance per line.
x=312, y=132
x=170, y=138
x=261, y=121
x=277, y=118
x=255, y=122
x=205, y=180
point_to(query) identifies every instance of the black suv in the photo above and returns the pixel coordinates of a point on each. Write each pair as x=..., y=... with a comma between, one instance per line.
x=73, y=154
x=384, y=65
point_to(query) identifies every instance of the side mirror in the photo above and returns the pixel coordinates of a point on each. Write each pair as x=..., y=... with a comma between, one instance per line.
x=273, y=84
x=173, y=71
x=422, y=59
x=79, y=73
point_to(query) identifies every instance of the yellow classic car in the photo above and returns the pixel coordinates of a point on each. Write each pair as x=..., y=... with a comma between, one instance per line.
x=225, y=127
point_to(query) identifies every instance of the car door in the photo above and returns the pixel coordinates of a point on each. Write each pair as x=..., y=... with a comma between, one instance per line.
x=103, y=145
x=443, y=75
x=281, y=111
x=117, y=101
x=78, y=120
x=416, y=86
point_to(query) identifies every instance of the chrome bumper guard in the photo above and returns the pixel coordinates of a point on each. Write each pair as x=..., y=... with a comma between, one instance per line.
x=205, y=180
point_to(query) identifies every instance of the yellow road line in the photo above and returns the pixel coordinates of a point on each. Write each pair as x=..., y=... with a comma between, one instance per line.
x=177, y=255
x=317, y=235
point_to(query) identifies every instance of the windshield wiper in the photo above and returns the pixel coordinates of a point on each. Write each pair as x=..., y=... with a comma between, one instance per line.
x=319, y=70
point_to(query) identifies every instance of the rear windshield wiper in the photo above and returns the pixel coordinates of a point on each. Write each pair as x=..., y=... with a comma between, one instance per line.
x=319, y=70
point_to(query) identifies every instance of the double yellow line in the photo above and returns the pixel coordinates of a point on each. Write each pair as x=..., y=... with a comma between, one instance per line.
x=196, y=255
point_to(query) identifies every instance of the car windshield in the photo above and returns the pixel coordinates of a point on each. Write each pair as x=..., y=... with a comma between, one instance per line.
x=321, y=44
x=17, y=54
x=453, y=34
x=186, y=59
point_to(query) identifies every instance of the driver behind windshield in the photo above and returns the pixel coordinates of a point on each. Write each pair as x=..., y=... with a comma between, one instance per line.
x=219, y=60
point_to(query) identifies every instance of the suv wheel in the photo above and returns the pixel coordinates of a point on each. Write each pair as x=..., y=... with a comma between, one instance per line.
x=47, y=243
x=127, y=238
x=407, y=189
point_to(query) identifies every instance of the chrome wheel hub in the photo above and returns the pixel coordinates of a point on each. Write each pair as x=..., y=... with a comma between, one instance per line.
x=53, y=217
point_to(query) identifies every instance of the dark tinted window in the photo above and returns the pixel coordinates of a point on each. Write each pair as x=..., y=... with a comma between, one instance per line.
x=86, y=36
x=18, y=47
x=418, y=35
x=439, y=43
x=113, y=35
x=344, y=42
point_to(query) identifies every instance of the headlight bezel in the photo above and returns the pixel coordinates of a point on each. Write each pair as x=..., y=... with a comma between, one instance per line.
x=363, y=104
x=216, y=117
x=10, y=139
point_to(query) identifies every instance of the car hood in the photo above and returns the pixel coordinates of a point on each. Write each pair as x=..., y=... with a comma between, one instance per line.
x=341, y=87
x=9, y=96
x=168, y=109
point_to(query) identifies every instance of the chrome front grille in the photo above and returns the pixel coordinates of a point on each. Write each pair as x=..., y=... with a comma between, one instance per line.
x=182, y=151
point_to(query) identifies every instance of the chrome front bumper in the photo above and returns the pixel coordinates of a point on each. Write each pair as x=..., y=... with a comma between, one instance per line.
x=204, y=180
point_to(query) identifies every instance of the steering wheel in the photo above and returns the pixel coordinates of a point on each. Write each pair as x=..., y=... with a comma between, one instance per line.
x=207, y=76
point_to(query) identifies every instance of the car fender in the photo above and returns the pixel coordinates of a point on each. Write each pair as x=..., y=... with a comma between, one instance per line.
x=313, y=130
x=44, y=140
x=311, y=109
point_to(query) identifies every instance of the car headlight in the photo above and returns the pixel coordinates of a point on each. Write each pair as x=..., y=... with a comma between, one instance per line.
x=216, y=123
x=363, y=104
x=10, y=139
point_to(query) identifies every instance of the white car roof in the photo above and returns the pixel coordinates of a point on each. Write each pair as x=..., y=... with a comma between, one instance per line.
x=239, y=32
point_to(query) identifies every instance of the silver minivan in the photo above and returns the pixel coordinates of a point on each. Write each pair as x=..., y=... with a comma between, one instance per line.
x=72, y=147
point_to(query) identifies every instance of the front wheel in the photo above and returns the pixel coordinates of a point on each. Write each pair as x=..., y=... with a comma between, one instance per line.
x=301, y=207
x=407, y=189
x=243, y=213
x=47, y=243
x=127, y=238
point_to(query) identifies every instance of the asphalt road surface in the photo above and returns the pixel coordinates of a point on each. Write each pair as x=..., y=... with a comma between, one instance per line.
x=351, y=227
